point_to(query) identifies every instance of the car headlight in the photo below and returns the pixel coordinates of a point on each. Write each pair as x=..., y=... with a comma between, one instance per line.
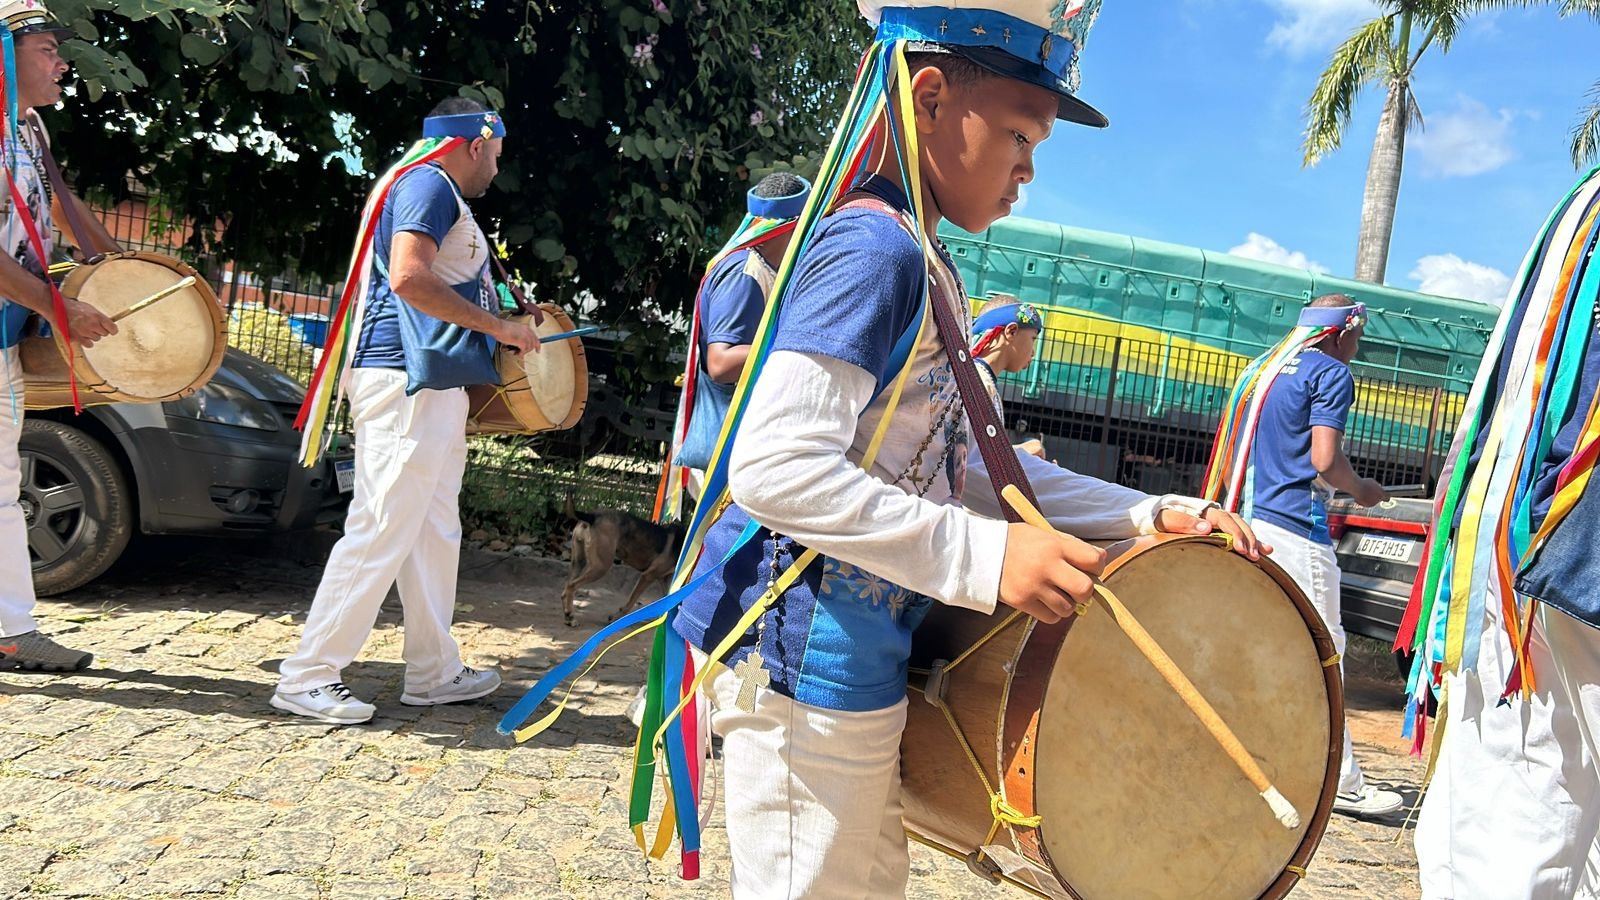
x=226, y=406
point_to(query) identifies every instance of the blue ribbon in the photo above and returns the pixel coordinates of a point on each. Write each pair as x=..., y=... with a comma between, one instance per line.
x=471, y=126
x=786, y=207
x=1333, y=316
x=1016, y=313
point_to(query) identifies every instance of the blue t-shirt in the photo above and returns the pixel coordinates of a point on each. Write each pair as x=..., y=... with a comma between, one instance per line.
x=730, y=304
x=424, y=201
x=1313, y=389
x=840, y=637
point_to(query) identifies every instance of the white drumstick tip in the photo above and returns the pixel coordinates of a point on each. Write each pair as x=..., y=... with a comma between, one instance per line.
x=1281, y=807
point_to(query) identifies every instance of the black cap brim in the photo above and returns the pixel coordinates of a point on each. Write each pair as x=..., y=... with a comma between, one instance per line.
x=1008, y=66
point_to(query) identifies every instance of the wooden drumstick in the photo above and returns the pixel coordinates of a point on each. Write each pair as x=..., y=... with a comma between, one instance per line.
x=162, y=294
x=1179, y=682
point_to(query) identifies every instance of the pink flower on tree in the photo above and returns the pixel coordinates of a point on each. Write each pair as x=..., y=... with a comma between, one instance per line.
x=757, y=117
x=660, y=8
x=755, y=50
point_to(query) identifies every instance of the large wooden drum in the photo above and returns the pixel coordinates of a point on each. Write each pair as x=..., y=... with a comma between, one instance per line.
x=166, y=348
x=543, y=391
x=1073, y=726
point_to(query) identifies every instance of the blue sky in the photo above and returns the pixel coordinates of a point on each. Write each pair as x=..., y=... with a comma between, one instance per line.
x=1205, y=101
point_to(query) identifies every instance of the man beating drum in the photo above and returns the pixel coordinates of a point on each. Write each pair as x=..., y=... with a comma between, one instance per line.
x=424, y=314
x=32, y=38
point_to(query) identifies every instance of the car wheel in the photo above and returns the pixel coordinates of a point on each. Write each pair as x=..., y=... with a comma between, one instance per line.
x=76, y=504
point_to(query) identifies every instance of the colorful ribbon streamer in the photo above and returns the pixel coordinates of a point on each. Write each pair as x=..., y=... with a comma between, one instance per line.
x=324, y=393
x=1485, y=529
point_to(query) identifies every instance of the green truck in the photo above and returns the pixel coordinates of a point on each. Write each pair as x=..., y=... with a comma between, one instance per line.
x=1143, y=340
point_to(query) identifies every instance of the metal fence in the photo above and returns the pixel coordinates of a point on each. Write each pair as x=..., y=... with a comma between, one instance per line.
x=1145, y=413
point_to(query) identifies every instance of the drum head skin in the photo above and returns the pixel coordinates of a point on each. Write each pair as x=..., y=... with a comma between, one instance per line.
x=546, y=390
x=160, y=351
x=1138, y=800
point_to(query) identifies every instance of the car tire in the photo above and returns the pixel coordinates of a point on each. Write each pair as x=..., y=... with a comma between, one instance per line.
x=76, y=503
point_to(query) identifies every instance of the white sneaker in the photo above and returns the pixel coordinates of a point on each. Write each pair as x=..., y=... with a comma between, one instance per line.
x=469, y=685
x=1369, y=801
x=329, y=703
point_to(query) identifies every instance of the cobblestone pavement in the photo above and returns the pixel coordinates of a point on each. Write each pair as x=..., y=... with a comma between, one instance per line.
x=163, y=772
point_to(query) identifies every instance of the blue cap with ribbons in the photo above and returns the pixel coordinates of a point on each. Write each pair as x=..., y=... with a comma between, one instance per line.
x=1035, y=41
x=474, y=125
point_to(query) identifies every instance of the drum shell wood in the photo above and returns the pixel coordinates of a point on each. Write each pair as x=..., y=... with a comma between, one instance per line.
x=527, y=404
x=1025, y=737
x=166, y=351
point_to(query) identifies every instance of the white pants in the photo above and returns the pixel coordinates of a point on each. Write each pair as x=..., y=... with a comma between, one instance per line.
x=16, y=564
x=403, y=528
x=812, y=797
x=1514, y=805
x=1315, y=568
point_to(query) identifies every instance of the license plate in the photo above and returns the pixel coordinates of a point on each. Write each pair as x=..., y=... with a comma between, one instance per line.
x=1397, y=549
x=344, y=471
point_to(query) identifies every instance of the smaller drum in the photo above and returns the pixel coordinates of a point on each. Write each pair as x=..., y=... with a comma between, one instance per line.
x=543, y=391
x=166, y=349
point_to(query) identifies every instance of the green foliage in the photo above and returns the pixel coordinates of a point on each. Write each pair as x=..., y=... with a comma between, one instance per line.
x=510, y=490
x=635, y=125
x=265, y=334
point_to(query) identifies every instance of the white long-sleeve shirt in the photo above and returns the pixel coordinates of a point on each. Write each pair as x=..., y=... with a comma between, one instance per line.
x=796, y=469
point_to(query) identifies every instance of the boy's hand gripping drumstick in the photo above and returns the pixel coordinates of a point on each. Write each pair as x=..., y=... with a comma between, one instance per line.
x=1224, y=736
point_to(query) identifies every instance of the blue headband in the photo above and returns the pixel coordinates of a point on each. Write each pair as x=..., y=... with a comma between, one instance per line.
x=1342, y=317
x=787, y=207
x=471, y=126
x=1020, y=314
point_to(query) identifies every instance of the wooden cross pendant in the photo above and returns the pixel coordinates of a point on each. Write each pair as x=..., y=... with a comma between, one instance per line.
x=752, y=674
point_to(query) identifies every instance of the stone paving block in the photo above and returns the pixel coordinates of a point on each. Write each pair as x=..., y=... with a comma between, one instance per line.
x=48, y=762
x=367, y=889
x=79, y=877
x=288, y=778
x=129, y=849
x=481, y=832
x=429, y=801
x=278, y=850
x=371, y=768
x=217, y=729
x=327, y=819
x=350, y=794
x=164, y=746
x=126, y=774
x=154, y=806
x=530, y=763
x=442, y=862
x=21, y=792
x=14, y=745
x=190, y=876
x=278, y=887
x=462, y=776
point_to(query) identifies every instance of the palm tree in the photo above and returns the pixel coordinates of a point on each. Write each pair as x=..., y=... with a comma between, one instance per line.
x=1586, y=134
x=1386, y=51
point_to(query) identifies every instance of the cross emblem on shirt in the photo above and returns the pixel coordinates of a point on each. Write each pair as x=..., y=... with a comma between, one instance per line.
x=752, y=674
x=944, y=26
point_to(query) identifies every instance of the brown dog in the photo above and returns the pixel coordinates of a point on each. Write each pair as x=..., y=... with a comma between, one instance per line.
x=602, y=539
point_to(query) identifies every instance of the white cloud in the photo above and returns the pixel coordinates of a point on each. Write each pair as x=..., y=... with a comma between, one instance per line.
x=1265, y=249
x=1314, y=26
x=1470, y=139
x=1022, y=199
x=1448, y=275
